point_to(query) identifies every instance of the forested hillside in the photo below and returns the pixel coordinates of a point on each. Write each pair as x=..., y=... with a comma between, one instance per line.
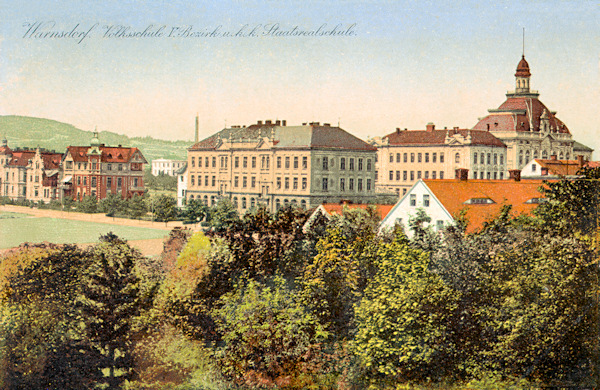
x=22, y=131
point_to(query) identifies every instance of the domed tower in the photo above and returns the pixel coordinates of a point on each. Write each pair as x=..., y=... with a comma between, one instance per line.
x=95, y=144
x=522, y=76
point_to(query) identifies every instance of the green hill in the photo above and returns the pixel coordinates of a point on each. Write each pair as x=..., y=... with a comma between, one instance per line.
x=22, y=131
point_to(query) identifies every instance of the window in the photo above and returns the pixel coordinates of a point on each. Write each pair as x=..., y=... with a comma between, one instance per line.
x=426, y=175
x=193, y=162
x=206, y=165
x=439, y=225
x=214, y=181
x=343, y=163
x=206, y=181
x=398, y=175
x=342, y=184
x=404, y=175
x=495, y=175
x=391, y=175
x=253, y=182
x=412, y=157
x=501, y=159
x=351, y=164
x=192, y=177
x=496, y=159
x=254, y=162
x=120, y=167
x=412, y=175
x=419, y=157
x=350, y=184
x=278, y=162
x=479, y=201
x=481, y=175
x=244, y=202
x=433, y=174
x=325, y=183
x=304, y=162
x=360, y=164
x=368, y=184
x=369, y=165
x=287, y=183
x=295, y=162
x=287, y=163
x=119, y=183
x=475, y=158
x=488, y=175
x=278, y=183
x=489, y=158
x=457, y=158
x=244, y=182
x=391, y=157
x=109, y=182
x=533, y=167
x=214, y=162
x=245, y=162
x=433, y=157
x=295, y=184
x=85, y=180
x=418, y=175
x=325, y=164
x=304, y=183
x=359, y=185
x=441, y=173
x=426, y=157
x=413, y=200
x=425, y=200
x=441, y=158
x=405, y=157
x=236, y=162
x=236, y=181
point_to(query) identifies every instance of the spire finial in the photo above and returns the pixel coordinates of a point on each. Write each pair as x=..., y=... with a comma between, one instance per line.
x=523, y=42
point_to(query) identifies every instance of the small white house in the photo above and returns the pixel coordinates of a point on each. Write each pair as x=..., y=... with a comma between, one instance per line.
x=166, y=167
x=181, y=185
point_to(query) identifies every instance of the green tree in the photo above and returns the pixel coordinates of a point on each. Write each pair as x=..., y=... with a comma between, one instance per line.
x=164, y=208
x=402, y=319
x=89, y=204
x=223, y=215
x=266, y=333
x=195, y=211
x=137, y=206
x=111, y=301
x=111, y=205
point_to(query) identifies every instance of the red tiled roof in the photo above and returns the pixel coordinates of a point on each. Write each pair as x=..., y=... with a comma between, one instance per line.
x=437, y=137
x=337, y=208
x=5, y=150
x=110, y=154
x=565, y=167
x=454, y=193
x=21, y=158
x=511, y=120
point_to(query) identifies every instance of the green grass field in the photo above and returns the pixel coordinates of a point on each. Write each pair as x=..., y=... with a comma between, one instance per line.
x=16, y=228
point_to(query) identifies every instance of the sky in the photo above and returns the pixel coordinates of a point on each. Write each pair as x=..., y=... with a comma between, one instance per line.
x=149, y=67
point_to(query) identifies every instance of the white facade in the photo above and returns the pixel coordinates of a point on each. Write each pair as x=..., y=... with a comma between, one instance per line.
x=181, y=186
x=419, y=196
x=166, y=167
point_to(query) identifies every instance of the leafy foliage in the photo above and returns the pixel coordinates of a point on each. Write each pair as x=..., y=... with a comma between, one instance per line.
x=164, y=208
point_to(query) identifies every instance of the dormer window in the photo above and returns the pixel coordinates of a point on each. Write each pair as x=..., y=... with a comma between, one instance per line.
x=536, y=200
x=479, y=201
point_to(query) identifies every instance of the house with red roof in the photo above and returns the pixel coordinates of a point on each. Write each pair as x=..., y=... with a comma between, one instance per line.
x=274, y=164
x=327, y=210
x=480, y=201
x=98, y=170
x=528, y=128
x=554, y=168
x=406, y=156
x=29, y=174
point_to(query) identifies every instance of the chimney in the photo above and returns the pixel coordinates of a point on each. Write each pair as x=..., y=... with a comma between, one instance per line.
x=259, y=123
x=462, y=174
x=283, y=123
x=553, y=157
x=277, y=122
x=430, y=126
x=580, y=161
x=455, y=128
x=327, y=124
x=196, y=133
x=268, y=122
x=514, y=174
x=397, y=130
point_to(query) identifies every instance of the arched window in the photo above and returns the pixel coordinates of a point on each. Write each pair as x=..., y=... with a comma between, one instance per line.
x=303, y=204
x=244, y=202
x=192, y=197
x=206, y=200
x=544, y=154
x=457, y=158
x=285, y=203
x=252, y=202
x=495, y=159
x=475, y=158
x=501, y=159
x=527, y=155
x=561, y=156
x=277, y=204
x=235, y=201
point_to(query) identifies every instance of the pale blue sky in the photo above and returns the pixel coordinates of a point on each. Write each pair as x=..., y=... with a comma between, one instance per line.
x=408, y=63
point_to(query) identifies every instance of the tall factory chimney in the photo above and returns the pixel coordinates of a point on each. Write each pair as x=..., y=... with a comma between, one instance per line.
x=196, y=134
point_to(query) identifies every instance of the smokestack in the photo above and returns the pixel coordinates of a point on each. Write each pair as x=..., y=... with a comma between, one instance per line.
x=580, y=161
x=430, y=126
x=196, y=134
